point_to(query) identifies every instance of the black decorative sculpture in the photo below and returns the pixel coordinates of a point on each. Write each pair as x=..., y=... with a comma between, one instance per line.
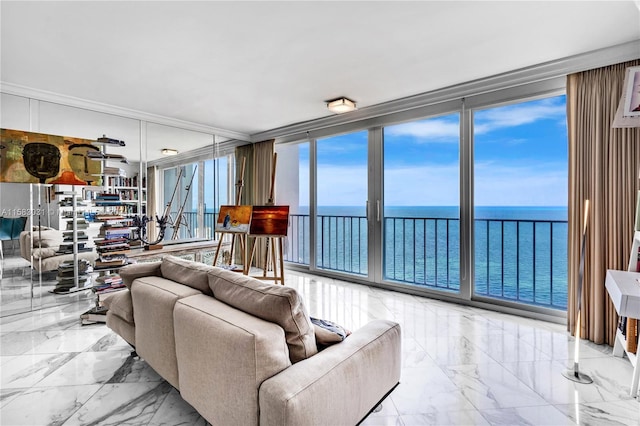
x=140, y=231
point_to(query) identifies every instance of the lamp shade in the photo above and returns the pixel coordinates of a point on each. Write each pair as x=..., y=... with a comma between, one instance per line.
x=341, y=105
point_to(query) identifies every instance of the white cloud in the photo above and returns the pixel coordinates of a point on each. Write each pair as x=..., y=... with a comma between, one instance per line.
x=517, y=115
x=448, y=129
x=433, y=130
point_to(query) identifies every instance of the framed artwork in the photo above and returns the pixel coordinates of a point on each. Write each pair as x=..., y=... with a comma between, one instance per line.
x=270, y=220
x=27, y=157
x=632, y=92
x=235, y=219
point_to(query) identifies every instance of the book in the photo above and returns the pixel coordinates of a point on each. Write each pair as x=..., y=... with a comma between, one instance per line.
x=94, y=315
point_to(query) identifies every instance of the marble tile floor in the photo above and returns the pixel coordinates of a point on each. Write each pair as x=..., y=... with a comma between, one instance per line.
x=461, y=366
x=18, y=294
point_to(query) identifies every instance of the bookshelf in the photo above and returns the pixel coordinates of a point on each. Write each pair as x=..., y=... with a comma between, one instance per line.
x=73, y=275
x=117, y=199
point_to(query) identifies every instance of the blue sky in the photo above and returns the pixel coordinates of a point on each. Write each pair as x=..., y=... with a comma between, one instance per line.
x=520, y=160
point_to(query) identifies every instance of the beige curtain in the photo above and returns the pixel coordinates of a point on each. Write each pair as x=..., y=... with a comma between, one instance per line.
x=257, y=181
x=603, y=168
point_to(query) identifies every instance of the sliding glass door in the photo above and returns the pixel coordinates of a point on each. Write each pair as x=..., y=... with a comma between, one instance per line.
x=468, y=200
x=341, y=200
x=521, y=202
x=421, y=224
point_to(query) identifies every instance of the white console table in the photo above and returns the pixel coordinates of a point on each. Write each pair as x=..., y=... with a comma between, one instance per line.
x=624, y=290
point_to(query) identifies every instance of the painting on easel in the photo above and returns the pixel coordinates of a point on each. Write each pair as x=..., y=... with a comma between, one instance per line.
x=27, y=157
x=270, y=220
x=235, y=219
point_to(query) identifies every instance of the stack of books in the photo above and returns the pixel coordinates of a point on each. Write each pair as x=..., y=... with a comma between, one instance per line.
x=80, y=224
x=110, y=261
x=114, y=243
x=67, y=248
x=108, y=284
x=66, y=277
x=94, y=315
x=105, y=199
x=68, y=236
x=68, y=202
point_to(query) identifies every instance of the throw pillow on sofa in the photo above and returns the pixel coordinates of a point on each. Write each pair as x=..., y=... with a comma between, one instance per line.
x=270, y=302
x=328, y=333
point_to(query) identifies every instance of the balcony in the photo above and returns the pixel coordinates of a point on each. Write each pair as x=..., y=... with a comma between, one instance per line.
x=522, y=261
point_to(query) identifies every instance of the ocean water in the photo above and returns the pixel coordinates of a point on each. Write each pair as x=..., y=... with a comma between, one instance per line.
x=520, y=253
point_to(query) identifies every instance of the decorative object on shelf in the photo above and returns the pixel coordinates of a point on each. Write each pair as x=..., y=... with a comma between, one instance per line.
x=575, y=374
x=140, y=229
x=110, y=141
x=28, y=157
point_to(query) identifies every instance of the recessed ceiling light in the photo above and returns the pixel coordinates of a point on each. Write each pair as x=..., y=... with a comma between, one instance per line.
x=341, y=105
x=168, y=151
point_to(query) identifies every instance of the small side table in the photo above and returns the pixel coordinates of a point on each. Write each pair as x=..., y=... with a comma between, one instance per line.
x=624, y=290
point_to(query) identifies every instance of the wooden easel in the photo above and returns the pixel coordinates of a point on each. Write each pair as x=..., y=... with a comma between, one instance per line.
x=241, y=238
x=272, y=259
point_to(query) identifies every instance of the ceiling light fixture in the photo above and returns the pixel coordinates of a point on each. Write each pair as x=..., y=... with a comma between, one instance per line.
x=168, y=151
x=341, y=105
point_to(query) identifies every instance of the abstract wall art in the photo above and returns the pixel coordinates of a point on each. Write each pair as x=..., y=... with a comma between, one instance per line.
x=28, y=157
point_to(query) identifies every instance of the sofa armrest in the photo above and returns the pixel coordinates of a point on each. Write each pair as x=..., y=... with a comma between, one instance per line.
x=339, y=385
x=139, y=270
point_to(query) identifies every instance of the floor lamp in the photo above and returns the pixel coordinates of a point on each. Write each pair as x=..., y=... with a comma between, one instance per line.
x=575, y=373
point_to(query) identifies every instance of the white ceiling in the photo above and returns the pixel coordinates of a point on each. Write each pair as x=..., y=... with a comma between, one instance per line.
x=254, y=66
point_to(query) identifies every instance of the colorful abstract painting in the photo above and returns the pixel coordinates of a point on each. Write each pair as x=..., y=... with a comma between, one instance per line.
x=270, y=220
x=27, y=157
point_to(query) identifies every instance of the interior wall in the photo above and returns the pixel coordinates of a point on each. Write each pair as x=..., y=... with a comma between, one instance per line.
x=33, y=115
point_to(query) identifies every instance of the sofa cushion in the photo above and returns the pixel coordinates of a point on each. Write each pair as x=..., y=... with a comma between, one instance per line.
x=43, y=253
x=187, y=272
x=119, y=303
x=139, y=270
x=47, y=238
x=154, y=299
x=274, y=303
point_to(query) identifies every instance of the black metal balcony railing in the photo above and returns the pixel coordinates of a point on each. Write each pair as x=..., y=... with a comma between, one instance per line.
x=189, y=226
x=517, y=260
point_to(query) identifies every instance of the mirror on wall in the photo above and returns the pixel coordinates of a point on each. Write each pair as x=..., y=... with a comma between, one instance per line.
x=29, y=282
x=188, y=187
x=190, y=183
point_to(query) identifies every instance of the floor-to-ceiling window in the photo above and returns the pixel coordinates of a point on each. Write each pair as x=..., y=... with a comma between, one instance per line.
x=193, y=193
x=341, y=199
x=520, y=197
x=466, y=198
x=422, y=202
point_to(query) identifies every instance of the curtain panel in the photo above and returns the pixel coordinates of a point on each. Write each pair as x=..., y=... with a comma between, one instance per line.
x=257, y=182
x=603, y=168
